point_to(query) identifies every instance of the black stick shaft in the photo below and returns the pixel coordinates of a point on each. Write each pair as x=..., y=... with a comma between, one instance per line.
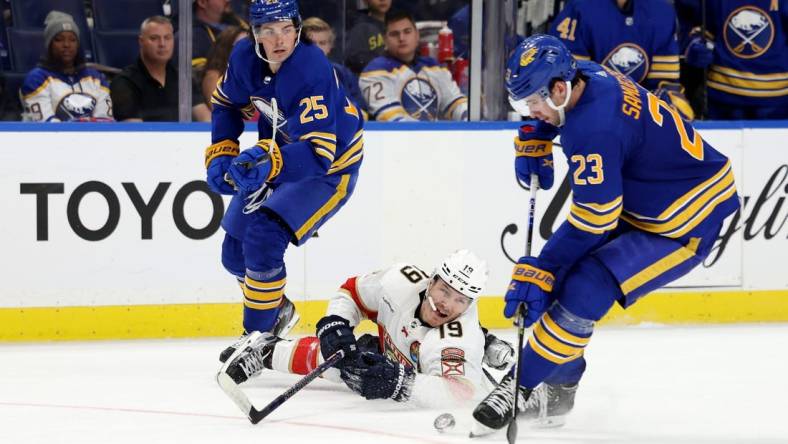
x=522, y=311
x=257, y=415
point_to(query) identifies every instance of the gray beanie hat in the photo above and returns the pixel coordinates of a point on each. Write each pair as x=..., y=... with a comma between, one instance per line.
x=57, y=22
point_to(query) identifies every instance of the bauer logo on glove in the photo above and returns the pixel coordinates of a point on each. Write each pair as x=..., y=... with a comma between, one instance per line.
x=527, y=273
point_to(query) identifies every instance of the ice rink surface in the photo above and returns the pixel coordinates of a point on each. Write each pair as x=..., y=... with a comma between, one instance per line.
x=714, y=384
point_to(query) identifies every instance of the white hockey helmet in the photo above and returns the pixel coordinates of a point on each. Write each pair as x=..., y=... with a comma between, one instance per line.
x=464, y=272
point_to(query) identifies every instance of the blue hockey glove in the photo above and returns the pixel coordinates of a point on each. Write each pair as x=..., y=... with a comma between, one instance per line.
x=533, y=148
x=335, y=334
x=218, y=158
x=374, y=376
x=252, y=168
x=530, y=285
x=673, y=94
x=699, y=52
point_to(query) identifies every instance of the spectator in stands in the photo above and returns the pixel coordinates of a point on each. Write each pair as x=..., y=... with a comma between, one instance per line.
x=61, y=88
x=148, y=90
x=317, y=31
x=748, y=65
x=210, y=18
x=634, y=37
x=218, y=56
x=365, y=40
x=401, y=86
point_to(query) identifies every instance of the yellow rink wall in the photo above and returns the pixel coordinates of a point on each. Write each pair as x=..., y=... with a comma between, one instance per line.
x=224, y=319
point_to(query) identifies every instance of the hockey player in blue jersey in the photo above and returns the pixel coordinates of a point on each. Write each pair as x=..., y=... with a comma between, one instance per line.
x=635, y=37
x=649, y=197
x=748, y=62
x=283, y=189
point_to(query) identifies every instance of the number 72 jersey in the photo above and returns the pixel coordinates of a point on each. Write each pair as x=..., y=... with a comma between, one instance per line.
x=632, y=157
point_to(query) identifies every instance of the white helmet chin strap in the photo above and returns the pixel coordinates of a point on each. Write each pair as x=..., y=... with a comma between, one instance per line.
x=560, y=109
x=257, y=46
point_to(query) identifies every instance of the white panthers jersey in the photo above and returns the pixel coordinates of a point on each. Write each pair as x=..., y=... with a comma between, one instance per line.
x=448, y=359
x=51, y=96
x=423, y=90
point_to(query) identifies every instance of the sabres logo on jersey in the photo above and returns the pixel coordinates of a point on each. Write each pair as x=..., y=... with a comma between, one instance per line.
x=420, y=99
x=267, y=112
x=528, y=57
x=628, y=59
x=748, y=32
x=75, y=106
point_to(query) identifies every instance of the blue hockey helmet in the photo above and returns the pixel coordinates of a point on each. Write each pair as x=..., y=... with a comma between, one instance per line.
x=534, y=63
x=267, y=11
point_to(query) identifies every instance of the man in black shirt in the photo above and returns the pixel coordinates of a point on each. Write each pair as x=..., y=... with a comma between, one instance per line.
x=148, y=89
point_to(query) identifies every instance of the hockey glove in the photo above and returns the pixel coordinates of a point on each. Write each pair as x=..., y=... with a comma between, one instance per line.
x=673, y=94
x=254, y=167
x=374, y=376
x=498, y=354
x=533, y=148
x=218, y=158
x=699, y=52
x=530, y=285
x=335, y=334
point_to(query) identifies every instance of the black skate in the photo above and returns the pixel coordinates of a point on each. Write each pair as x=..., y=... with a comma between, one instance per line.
x=550, y=404
x=285, y=321
x=256, y=355
x=495, y=411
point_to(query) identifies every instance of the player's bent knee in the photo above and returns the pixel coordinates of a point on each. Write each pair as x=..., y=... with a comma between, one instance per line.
x=589, y=290
x=232, y=256
x=265, y=242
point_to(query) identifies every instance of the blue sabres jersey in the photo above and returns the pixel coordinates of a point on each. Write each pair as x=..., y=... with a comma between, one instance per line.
x=633, y=159
x=319, y=129
x=422, y=90
x=750, y=64
x=639, y=42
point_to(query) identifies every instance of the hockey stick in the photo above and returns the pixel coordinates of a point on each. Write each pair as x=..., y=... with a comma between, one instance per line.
x=242, y=401
x=522, y=311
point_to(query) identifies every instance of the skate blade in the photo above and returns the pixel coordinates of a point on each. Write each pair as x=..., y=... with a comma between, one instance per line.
x=478, y=430
x=289, y=326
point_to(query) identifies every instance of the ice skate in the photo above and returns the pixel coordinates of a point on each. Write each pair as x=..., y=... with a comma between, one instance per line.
x=255, y=356
x=549, y=405
x=495, y=411
x=285, y=321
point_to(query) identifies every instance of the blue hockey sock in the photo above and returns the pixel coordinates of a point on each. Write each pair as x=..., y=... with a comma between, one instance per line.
x=557, y=339
x=263, y=293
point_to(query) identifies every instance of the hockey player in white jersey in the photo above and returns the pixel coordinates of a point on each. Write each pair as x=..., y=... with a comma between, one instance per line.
x=401, y=86
x=430, y=347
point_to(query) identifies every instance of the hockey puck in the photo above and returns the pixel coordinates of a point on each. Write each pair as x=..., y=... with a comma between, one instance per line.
x=444, y=422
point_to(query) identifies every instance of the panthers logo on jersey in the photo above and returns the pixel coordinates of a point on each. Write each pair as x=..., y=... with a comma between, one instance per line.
x=420, y=99
x=628, y=59
x=748, y=32
x=267, y=112
x=75, y=106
